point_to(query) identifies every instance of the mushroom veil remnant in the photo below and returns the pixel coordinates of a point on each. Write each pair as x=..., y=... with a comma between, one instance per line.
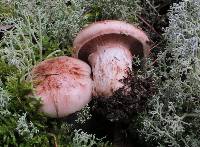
x=108, y=46
x=64, y=84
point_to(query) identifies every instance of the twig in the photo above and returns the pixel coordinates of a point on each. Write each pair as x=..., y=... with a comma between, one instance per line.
x=150, y=26
x=155, y=45
x=6, y=27
x=152, y=6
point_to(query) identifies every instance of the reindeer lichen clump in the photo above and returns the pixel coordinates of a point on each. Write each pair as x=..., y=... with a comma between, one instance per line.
x=173, y=115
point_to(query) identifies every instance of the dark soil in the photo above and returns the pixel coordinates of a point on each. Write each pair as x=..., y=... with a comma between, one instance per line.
x=114, y=117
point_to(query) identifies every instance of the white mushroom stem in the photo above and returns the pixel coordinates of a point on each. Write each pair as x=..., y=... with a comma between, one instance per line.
x=110, y=64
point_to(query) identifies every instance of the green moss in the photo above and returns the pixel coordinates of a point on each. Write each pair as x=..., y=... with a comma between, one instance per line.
x=6, y=70
x=6, y=10
x=18, y=88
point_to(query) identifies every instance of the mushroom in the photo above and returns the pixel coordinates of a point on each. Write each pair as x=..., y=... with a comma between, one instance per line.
x=64, y=85
x=108, y=46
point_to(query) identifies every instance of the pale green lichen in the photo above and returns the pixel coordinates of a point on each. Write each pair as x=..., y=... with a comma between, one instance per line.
x=82, y=139
x=4, y=102
x=83, y=115
x=25, y=128
x=173, y=116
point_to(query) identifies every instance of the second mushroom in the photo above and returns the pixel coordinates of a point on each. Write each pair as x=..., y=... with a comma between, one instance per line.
x=64, y=85
x=108, y=46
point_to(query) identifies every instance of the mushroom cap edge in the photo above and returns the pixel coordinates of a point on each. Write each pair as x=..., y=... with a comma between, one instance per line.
x=105, y=27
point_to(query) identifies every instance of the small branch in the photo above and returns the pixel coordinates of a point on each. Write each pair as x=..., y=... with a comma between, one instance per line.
x=150, y=26
x=190, y=115
x=152, y=6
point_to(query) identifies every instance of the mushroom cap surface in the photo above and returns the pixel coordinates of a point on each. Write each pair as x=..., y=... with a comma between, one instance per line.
x=94, y=35
x=64, y=85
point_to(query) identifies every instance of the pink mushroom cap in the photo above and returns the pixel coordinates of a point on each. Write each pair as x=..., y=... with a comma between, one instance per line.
x=88, y=40
x=64, y=85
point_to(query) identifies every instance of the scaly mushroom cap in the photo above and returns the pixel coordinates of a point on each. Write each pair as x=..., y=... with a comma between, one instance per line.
x=64, y=84
x=102, y=32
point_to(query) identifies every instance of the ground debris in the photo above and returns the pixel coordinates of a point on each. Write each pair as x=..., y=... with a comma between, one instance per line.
x=122, y=107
